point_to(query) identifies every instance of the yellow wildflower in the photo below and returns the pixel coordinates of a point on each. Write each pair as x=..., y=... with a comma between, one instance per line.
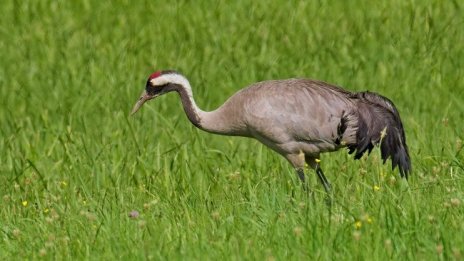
x=358, y=224
x=317, y=160
x=376, y=188
x=24, y=203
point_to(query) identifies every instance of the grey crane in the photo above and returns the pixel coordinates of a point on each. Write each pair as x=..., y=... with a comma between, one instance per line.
x=298, y=118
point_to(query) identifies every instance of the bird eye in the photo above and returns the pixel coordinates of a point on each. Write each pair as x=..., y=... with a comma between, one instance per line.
x=154, y=89
x=150, y=86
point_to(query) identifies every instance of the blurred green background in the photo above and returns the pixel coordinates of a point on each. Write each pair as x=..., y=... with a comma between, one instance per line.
x=74, y=164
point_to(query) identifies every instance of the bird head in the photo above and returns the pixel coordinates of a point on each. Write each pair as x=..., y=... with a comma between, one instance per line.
x=159, y=83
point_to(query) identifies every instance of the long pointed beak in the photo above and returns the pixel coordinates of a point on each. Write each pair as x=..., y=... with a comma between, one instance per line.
x=143, y=98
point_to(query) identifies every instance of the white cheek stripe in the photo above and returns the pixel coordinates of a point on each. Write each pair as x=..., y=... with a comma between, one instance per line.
x=176, y=79
x=171, y=78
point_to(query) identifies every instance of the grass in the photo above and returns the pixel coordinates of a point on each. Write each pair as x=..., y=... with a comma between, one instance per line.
x=74, y=164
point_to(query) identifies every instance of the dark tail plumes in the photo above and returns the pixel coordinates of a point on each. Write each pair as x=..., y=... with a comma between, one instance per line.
x=379, y=121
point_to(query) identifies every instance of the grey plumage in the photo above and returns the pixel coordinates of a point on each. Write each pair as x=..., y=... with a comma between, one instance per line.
x=298, y=118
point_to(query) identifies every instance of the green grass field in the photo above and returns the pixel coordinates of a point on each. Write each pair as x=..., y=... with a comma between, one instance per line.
x=73, y=164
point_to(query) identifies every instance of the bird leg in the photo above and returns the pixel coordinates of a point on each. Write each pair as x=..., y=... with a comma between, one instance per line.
x=301, y=175
x=323, y=179
x=314, y=163
x=297, y=161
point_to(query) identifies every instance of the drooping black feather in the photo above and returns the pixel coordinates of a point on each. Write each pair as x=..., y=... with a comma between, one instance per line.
x=379, y=122
x=341, y=128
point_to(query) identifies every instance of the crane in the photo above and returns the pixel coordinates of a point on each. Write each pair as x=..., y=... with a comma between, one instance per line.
x=297, y=118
